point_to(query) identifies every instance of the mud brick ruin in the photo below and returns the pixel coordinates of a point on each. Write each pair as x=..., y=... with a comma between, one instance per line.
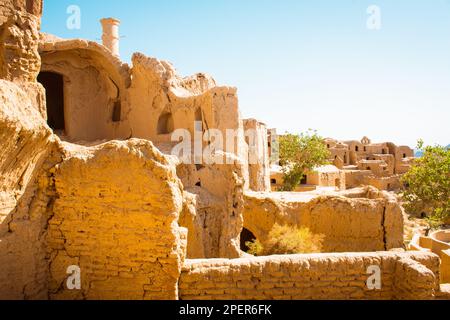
x=87, y=179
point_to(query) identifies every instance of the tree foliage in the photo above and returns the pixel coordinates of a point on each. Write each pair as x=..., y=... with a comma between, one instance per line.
x=300, y=153
x=287, y=240
x=427, y=184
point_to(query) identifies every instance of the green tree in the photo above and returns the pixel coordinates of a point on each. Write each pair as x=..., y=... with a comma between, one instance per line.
x=427, y=184
x=300, y=153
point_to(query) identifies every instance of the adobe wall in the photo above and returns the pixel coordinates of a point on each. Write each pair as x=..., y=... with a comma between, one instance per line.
x=326, y=176
x=369, y=221
x=438, y=243
x=8, y=7
x=157, y=90
x=95, y=84
x=19, y=36
x=213, y=209
x=116, y=217
x=319, y=276
x=259, y=166
x=28, y=152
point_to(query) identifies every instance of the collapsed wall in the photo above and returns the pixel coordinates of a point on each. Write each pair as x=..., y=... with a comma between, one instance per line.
x=320, y=276
x=116, y=217
x=28, y=151
x=214, y=196
x=354, y=221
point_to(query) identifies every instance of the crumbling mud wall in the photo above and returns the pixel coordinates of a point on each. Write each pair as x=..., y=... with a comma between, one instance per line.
x=319, y=276
x=116, y=218
x=96, y=105
x=259, y=165
x=19, y=36
x=214, y=207
x=351, y=221
x=164, y=102
x=28, y=151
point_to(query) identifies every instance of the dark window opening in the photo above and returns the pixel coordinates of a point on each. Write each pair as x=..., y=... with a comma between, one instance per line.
x=389, y=186
x=165, y=124
x=383, y=151
x=404, y=155
x=246, y=236
x=273, y=181
x=198, y=184
x=345, y=158
x=304, y=180
x=328, y=146
x=117, y=111
x=54, y=93
x=356, y=148
x=365, y=149
x=368, y=168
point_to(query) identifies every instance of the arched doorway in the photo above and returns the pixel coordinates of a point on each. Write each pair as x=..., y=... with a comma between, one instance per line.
x=165, y=123
x=54, y=93
x=246, y=236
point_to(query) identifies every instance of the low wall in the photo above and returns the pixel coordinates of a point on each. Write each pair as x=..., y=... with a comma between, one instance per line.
x=319, y=276
x=435, y=245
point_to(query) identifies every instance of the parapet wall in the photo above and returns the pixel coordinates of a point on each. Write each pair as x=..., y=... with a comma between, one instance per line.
x=319, y=276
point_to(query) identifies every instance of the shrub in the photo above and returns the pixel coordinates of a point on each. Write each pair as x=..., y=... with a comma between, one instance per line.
x=287, y=240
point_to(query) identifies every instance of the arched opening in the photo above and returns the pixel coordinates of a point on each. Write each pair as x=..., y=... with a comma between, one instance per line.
x=54, y=93
x=165, y=123
x=246, y=236
x=273, y=181
x=356, y=148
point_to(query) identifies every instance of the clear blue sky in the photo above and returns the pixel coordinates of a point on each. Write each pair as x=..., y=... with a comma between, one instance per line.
x=298, y=64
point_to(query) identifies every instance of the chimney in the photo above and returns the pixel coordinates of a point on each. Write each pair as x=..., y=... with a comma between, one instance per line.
x=110, y=37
